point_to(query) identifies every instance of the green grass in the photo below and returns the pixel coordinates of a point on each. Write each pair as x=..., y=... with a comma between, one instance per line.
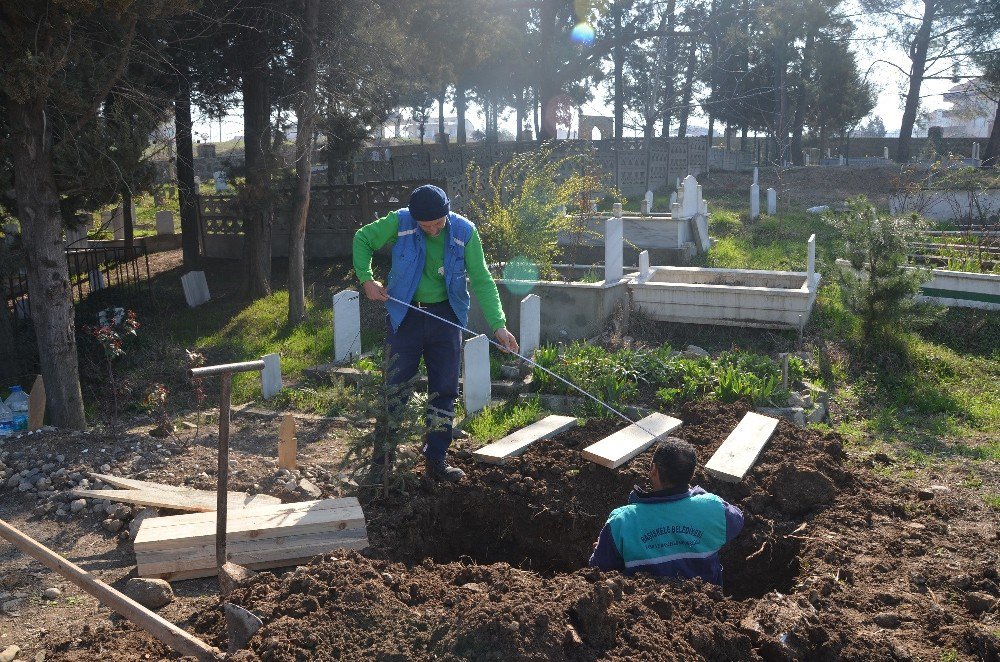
x=497, y=421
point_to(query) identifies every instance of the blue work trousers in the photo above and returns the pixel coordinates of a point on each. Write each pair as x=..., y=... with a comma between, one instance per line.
x=440, y=345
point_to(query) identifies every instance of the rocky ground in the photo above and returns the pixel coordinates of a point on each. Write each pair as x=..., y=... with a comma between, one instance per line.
x=838, y=560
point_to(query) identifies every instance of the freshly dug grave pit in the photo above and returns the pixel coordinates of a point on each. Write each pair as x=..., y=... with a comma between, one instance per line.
x=543, y=511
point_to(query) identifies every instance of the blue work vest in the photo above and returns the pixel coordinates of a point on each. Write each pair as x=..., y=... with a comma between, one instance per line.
x=677, y=538
x=408, y=256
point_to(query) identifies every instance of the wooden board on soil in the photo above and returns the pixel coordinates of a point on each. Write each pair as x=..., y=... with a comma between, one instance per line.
x=198, y=501
x=136, y=484
x=517, y=442
x=740, y=450
x=620, y=447
x=183, y=546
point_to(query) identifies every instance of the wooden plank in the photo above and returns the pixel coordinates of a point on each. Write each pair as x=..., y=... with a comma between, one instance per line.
x=181, y=531
x=166, y=632
x=620, y=447
x=516, y=443
x=307, y=555
x=249, y=551
x=135, y=484
x=740, y=450
x=36, y=404
x=287, y=446
x=198, y=502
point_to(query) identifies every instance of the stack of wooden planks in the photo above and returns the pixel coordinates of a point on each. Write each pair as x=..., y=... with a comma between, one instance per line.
x=171, y=497
x=266, y=536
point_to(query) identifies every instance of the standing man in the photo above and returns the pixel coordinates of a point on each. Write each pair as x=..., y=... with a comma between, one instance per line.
x=435, y=255
x=674, y=531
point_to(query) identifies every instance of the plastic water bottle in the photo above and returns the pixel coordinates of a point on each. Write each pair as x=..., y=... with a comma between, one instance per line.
x=6, y=421
x=17, y=403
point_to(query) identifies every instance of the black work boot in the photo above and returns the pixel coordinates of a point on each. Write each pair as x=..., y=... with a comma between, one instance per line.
x=440, y=470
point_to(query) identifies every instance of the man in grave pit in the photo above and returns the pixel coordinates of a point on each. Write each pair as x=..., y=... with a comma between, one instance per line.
x=675, y=530
x=436, y=255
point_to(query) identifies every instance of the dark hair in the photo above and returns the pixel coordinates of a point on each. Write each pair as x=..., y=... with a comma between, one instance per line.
x=675, y=461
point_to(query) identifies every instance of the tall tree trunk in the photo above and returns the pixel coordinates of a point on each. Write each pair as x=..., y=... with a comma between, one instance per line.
x=668, y=69
x=519, y=113
x=687, y=90
x=49, y=295
x=780, y=101
x=303, y=162
x=618, y=58
x=460, y=105
x=801, y=98
x=442, y=136
x=538, y=126
x=186, y=191
x=548, y=86
x=128, y=221
x=257, y=136
x=991, y=157
x=918, y=58
x=743, y=138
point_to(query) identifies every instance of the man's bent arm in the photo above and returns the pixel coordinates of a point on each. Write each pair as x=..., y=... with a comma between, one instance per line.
x=482, y=283
x=369, y=239
x=734, y=521
x=606, y=555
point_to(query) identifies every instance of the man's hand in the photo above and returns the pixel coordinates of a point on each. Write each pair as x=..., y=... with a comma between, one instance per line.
x=375, y=291
x=506, y=340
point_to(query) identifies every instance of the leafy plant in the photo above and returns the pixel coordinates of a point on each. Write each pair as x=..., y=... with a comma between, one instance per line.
x=114, y=326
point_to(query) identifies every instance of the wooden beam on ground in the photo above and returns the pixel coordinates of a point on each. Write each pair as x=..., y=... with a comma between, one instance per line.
x=620, y=447
x=270, y=521
x=183, y=546
x=517, y=442
x=36, y=404
x=287, y=446
x=165, y=631
x=135, y=484
x=197, y=501
x=735, y=457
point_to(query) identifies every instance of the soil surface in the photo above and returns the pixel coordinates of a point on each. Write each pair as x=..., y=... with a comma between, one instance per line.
x=837, y=561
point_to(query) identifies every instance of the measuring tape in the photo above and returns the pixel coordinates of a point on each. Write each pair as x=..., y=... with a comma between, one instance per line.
x=528, y=361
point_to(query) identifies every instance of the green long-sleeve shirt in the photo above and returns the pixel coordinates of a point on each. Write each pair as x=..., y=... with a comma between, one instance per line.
x=431, y=287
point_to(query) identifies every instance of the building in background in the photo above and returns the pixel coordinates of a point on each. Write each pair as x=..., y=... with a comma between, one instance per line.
x=398, y=126
x=971, y=114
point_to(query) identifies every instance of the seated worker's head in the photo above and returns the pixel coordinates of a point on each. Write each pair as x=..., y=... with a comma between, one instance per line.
x=673, y=465
x=430, y=206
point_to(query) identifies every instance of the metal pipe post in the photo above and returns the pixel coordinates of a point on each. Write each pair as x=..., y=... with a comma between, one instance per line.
x=222, y=507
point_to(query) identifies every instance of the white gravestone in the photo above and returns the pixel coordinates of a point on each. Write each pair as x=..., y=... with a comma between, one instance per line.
x=690, y=203
x=975, y=151
x=754, y=200
x=531, y=324
x=840, y=160
x=220, y=181
x=649, y=202
x=643, y=266
x=827, y=152
x=805, y=159
x=476, y=387
x=96, y=279
x=755, y=175
x=165, y=222
x=811, y=263
x=614, y=259
x=772, y=202
x=270, y=376
x=346, y=326
x=195, y=288
x=885, y=153
x=117, y=223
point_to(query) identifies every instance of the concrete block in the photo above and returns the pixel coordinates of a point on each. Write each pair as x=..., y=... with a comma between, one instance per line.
x=614, y=237
x=195, y=288
x=531, y=324
x=643, y=266
x=346, y=326
x=270, y=376
x=811, y=266
x=476, y=386
x=164, y=222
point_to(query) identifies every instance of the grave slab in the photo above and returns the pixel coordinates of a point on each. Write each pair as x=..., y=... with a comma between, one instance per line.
x=740, y=450
x=754, y=201
x=620, y=447
x=614, y=258
x=195, y=288
x=270, y=376
x=346, y=326
x=164, y=222
x=772, y=202
x=476, y=386
x=531, y=324
x=517, y=442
